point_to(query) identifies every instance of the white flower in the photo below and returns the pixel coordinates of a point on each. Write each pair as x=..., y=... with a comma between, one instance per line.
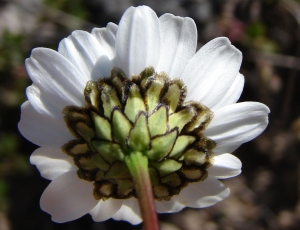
x=168, y=44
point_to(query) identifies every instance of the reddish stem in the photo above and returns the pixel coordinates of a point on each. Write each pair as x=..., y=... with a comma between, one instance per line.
x=137, y=164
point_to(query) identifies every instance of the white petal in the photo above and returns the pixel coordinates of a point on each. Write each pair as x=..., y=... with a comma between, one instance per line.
x=83, y=50
x=51, y=162
x=107, y=38
x=137, y=41
x=203, y=194
x=178, y=43
x=56, y=77
x=41, y=103
x=211, y=72
x=105, y=209
x=233, y=94
x=42, y=130
x=102, y=68
x=168, y=206
x=130, y=211
x=225, y=166
x=68, y=198
x=236, y=124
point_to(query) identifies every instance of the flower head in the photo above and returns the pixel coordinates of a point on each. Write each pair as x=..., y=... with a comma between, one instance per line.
x=139, y=86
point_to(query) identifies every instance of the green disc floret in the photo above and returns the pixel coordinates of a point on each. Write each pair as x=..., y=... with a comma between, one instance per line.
x=147, y=115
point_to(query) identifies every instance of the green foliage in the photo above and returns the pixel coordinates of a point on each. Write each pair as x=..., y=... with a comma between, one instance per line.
x=11, y=163
x=257, y=38
x=12, y=51
x=74, y=7
x=256, y=29
x=12, y=83
x=13, y=77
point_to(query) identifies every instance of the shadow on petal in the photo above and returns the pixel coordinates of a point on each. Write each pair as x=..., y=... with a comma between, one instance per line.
x=68, y=198
x=203, y=194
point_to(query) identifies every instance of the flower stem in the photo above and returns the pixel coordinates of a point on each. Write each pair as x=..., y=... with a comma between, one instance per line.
x=137, y=164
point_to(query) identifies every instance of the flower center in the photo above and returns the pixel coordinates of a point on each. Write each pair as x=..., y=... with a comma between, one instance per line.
x=146, y=114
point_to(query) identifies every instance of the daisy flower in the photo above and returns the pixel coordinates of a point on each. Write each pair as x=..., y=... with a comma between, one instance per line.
x=133, y=111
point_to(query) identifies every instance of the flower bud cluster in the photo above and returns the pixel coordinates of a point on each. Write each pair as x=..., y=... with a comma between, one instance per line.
x=146, y=114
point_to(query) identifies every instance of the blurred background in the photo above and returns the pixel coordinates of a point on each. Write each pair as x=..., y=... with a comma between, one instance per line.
x=264, y=196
